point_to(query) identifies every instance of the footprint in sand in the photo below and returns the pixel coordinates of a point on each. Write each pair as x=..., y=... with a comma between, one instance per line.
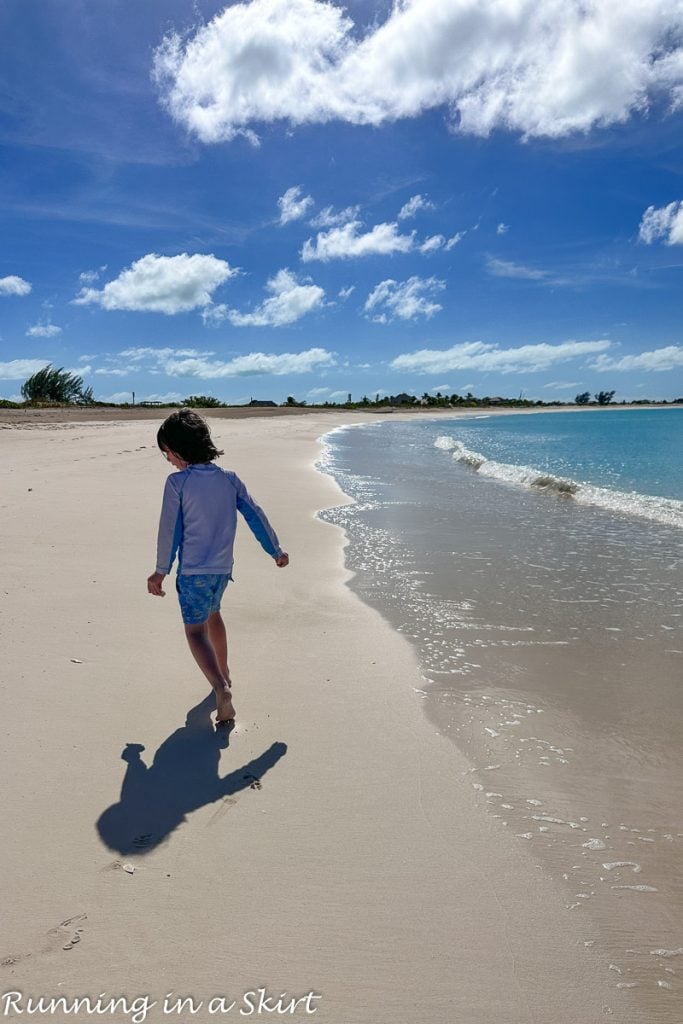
x=73, y=927
x=68, y=933
x=9, y=961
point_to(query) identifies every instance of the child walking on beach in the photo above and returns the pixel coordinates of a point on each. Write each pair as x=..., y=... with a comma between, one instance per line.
x=198, y=522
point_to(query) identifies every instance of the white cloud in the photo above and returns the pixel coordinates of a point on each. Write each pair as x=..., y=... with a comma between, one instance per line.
x=346, y=242
x=441, y=388
x=144, y=359
x=457, y=237
x=478, y=355
x=665, y=222
x=162, y=284
x=505, y=268
x=288, y=302
x=344, y=293
x=658, y=359
x=90, y=276
x=432, y=243
x=406, y=299
x=142, y=352
x=18, y=369
x=414, y=205
x=168, y=396
x=293, y=206
x=502, y=229
x=327, y=218
x=253, y=364
x=540, y=69
x=14, y=285
x=560, y=385
x=317, y=392
x=43, y=331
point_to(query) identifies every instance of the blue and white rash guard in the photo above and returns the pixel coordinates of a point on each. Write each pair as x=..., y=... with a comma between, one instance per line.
x=199, y=521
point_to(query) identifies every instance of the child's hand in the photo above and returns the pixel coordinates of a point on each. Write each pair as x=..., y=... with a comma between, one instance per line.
x=282, y=560
x=154, y=584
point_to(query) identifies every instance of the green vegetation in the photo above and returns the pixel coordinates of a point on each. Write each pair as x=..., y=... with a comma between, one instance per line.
x=202, y=402
x=51, y=386
x=56, y=386
x=604, y=397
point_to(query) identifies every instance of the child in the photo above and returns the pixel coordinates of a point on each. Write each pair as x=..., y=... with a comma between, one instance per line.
x=198, y=521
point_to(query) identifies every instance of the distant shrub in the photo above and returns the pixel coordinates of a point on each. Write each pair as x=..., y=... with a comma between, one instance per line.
x=202, y=402
x=56, y=387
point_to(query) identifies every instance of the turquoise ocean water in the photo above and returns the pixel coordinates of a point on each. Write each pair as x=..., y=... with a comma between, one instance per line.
x=535, y=562
x=630, y=461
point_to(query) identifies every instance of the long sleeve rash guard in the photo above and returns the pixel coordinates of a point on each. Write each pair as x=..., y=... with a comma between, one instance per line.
x=199, y=521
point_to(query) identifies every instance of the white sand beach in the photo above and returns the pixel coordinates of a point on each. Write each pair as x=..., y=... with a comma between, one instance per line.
x=342, y=856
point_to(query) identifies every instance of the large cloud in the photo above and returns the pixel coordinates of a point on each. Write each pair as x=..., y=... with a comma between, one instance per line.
x=539, y=67
x=664, y=222
x=478, y=355
x=162, y=284
x=251, y=365
x=347, y=242
x=14, y=285
x=288, y=302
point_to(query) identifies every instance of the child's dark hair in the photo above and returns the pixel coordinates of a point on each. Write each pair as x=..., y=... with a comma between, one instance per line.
x=187, y=434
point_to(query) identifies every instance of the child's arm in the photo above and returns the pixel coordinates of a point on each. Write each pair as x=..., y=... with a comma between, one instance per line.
x=168, y=538
x=257, y=522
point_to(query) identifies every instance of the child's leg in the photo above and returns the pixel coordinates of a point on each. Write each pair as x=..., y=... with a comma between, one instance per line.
x=219, y=642
x=204, y=654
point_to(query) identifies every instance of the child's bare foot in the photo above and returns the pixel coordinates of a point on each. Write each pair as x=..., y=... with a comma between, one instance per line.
x=225, y=712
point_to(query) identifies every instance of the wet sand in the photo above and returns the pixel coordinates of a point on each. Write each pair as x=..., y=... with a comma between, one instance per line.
x=549, y=636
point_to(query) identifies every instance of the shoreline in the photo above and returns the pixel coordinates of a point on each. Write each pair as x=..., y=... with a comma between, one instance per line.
x=476, y=711
x=360, y=868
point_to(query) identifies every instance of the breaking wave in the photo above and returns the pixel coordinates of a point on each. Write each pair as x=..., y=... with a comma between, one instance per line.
x=668, y=511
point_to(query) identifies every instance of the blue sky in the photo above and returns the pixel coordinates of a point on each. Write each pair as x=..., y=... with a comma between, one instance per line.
x=288, y=197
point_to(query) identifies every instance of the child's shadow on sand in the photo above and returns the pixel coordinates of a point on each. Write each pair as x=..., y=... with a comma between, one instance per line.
x=183, y=777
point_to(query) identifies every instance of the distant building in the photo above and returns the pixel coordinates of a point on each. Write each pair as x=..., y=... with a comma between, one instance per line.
x=402, y=399
x=258, y=402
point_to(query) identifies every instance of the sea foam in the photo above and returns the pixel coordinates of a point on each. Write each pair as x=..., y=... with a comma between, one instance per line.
x=668, y=511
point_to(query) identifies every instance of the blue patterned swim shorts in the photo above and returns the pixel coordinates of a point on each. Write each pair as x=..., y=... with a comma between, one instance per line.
x=200, y=596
